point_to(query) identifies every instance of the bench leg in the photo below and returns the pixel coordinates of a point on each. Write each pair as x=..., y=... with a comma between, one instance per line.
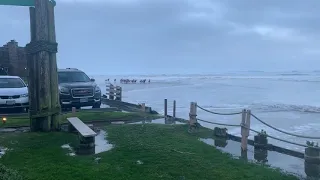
x=87, y=145
x=71, y=128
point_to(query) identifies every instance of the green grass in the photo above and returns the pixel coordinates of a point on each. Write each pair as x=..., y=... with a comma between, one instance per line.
x=85, y=116
x=166, y=151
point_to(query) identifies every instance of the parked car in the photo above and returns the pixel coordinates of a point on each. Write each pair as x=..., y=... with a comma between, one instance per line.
x=76, y=89
x=13, y=93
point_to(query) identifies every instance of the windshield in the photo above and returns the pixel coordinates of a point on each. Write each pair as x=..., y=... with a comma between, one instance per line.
x=69, y=77
x=11, y=83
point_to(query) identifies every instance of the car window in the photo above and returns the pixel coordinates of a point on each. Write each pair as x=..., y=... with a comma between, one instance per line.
x=69, y=77
x=11, y=83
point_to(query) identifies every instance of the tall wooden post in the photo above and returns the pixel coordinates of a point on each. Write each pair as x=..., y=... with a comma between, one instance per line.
x=165, y=108
x=55, y=100
x=244, y=137
x=31, y=68
x=42, y=68
x=174, y=109
x=193, y=113
x=111, y=92
x=245, y=129
x=118, y=93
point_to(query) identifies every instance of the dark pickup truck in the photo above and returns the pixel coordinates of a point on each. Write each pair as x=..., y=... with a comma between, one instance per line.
x=76, y=89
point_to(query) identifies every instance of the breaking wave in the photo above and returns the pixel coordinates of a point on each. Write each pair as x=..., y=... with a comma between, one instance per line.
x=285, y=107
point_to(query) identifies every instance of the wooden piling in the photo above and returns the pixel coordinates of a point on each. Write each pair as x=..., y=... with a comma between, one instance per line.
x=32, y=68
x=244, y=131
x=165, y=108
x=312, y=160
x=43, y=89
x=220, y=132
x=193, y=113
x=55, y=104
x=174, y=109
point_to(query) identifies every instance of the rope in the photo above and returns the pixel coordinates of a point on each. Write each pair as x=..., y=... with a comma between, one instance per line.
x=275, y=138
x=218, y=113
x=220, y=124
x=291, y=134
x=272, y=137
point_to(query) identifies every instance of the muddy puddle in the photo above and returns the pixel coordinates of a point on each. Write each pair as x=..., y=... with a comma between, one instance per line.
x=101, y=144
x=288, y=164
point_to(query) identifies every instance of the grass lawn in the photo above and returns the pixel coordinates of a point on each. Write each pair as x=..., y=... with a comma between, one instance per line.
x=85, y=116
x=165, y=152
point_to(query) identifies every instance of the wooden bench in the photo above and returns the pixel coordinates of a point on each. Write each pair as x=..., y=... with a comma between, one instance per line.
x=86, y=135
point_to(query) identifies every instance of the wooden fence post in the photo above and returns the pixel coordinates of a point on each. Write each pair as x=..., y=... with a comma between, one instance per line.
x=73, y=110
x=174, y=109
x=248, y=122
x=118, y=93
x=244, y=129
x=143, y=107
x=111, y=92
x=165, y=108
x=193, y=113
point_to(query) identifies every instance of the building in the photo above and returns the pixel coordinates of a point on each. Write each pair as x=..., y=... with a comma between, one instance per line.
x=13, y=59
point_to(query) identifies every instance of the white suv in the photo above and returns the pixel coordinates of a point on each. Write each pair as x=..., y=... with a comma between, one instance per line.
x=13, y=93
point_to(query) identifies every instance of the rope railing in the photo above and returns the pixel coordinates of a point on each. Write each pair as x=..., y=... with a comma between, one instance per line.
x=257, y=132
x=235, y=113
x=279, y=130
x=220, y=124
x=263, y=122
x=275, y=138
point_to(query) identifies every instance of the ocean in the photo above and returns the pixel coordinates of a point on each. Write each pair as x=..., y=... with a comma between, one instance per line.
x=288, y=101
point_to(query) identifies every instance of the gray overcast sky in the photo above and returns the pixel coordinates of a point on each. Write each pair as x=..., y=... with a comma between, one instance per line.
x=179, y=36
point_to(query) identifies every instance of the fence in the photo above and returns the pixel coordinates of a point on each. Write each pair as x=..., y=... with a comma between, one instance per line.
x=113, y=98
x=166, y=109
x=260, y=142
x=114, y=92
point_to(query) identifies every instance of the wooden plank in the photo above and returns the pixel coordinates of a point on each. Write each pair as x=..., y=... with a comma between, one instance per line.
x=82, y=128
x=114, y=95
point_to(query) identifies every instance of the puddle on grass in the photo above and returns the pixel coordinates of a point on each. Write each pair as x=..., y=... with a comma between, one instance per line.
x=3, y=151
x=157, y=121
x=289, y=164
x=69, y=148
x=101, y=144
x=139, y=162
